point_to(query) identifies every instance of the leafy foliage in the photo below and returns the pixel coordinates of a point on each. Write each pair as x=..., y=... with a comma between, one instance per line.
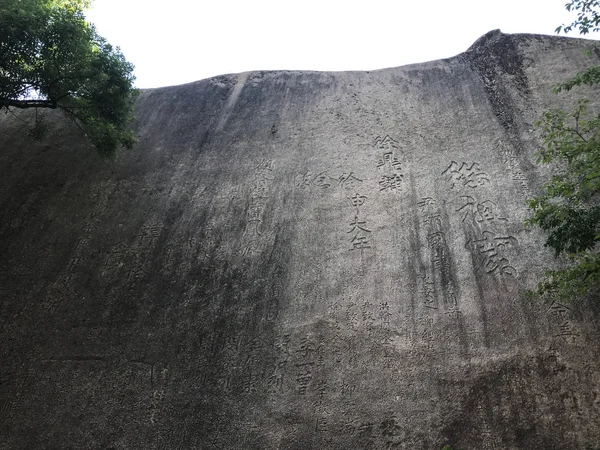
x=50, y=57
x=588, y=18
x=589, y=76
x=569, y=206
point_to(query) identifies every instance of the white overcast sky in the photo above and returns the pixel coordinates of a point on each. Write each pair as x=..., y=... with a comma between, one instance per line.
x=178, y=41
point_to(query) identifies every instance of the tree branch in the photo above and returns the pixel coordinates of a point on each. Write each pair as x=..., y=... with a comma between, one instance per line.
x=75, y=118
x=23, y=104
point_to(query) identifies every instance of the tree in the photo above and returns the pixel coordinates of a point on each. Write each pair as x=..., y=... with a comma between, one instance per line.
x=50, y=57
x=568, y=207
x=588, y=17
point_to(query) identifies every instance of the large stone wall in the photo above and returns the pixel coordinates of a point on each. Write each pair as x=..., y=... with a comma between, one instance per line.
x=297, y=260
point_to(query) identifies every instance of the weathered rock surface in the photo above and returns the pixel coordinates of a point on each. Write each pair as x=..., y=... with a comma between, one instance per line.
x=297, y=260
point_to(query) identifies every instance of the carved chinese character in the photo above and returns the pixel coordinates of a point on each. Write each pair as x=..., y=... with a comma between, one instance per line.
x=487, y=210
x=426, y=203
x=275, y=380
x=352, y=316
x=251, y=247
x=389, y=161
x=347, y=388
x=484, y=211
x=386, y=143
x=307, y=347
x=249, y=382
x=434, y=221
x=333, y=309
x=349, y=426
x=559, y=310
x=436, y=240
x=304, y=376
x=282, y=344
x=466, y=175
x=428, y=292
x=359, y=243
x=566, y=329
x=365, y=430
x=489, y=247
x=359, y=240
x=366, y=313
x=349, y=181
x=321, y=425
x=357, y=200
x=391, y=183
x=303, y=180
x=385, y=314
x=390, y=427
x=321, y=390
x=323, y=180
x=261, y=187
x=264, y=165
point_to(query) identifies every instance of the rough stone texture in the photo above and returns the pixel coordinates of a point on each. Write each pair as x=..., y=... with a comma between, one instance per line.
x=297, y=260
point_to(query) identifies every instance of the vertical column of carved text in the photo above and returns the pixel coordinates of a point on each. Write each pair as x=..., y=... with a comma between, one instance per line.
x=489, y=241
x=255, y=234
x=561, y=317
x=305, y=364
x=344, y=361
x=511, y=161
x=252, y=375
x=358, y=227
x=278, y=367
x=385, y=316
x=15, y=384
x=226, y=361
x=158, y=395
x=322, y=397
x=389, y=163
x=439, y=278
x=312, y=383
x=491, y=441
x=235, y=365
x=62, y=287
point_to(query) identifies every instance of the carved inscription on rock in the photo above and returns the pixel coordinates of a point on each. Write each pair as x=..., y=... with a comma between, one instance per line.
x=278, y=369
x=483, y=211
x=358, y=230
x=511, y=161
x=386, y=143
x=560, y=315
x=489, y=242
x=359, y=234
x=305, y=368
x=384, y=432
x=438, y=277
x=255, y=231
x=491, y=250
x=389, y=164
x=158, y=395
x=466, y=175
x=324, y=180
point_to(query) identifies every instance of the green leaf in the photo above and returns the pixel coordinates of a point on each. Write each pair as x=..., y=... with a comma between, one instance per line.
x=52, y=58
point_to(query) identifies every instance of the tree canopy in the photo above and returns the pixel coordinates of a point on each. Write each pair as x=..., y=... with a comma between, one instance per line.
x=568, y=208
x=50, y=57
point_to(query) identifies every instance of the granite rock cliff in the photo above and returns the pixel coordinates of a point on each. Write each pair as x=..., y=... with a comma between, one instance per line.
x=297, y=260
